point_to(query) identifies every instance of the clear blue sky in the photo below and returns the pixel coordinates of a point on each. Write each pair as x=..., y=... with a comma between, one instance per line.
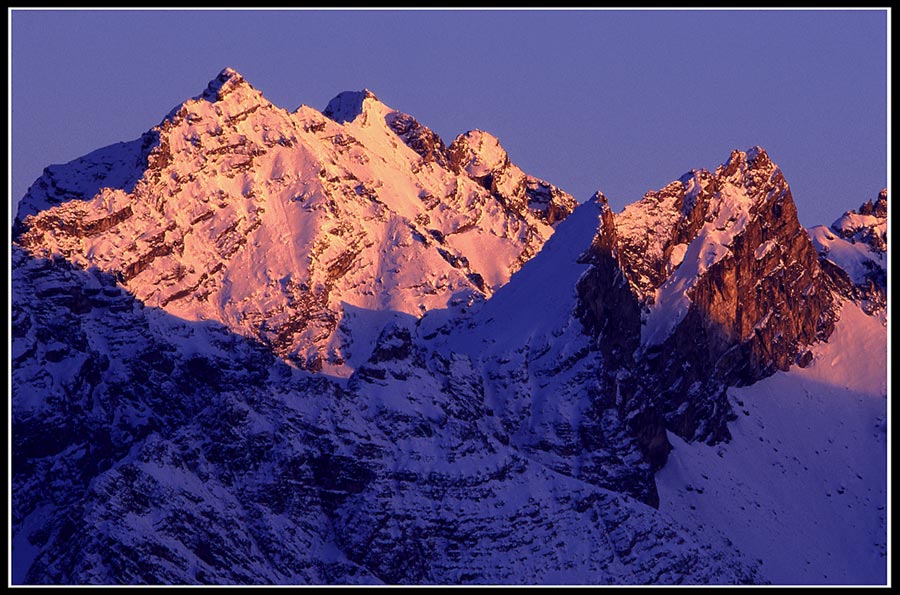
x=623, y=101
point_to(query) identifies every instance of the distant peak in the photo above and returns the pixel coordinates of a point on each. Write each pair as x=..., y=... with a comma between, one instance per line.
x=480, y=134
x=877, y=209
x=229, y=73
x=229, y=85
x=479, y=153
x=346, y=106
x=758, y=158
x=754, y=152
x=754, y=158
x=226, y=81
x=736, y=160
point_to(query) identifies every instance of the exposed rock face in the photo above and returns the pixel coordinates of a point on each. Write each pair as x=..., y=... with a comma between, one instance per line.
x=730, y=283
x=153, y=450
x=275, y=223
x=611, y=313
x=481, y=157
x=752, y=312
x=653, y=233
x=609, y=309
x=420, y=139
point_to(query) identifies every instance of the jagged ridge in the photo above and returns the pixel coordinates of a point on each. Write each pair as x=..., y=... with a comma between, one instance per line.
x=546, y=407
x=273, y=223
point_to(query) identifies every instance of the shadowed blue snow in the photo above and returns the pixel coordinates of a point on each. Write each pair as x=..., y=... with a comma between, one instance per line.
x=624, y=101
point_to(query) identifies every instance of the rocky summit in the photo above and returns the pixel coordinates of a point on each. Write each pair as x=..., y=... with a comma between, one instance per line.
x=285, y=225
x=257, y=346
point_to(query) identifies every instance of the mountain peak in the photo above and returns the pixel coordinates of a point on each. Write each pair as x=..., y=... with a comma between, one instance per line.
x=758, y=158
x=224, y=84
x=229, y=73
x=756, y=152
x=878, y=208
x=755, y=158
x=479, y=153
x=867, y=225
x=272, y=222
x=228, y=86
x=346, y=106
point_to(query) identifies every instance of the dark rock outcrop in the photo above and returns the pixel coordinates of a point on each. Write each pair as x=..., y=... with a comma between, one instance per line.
x=419, y=138
x=723, y=256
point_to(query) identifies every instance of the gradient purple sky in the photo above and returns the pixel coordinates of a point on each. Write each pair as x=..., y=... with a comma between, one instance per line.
x=623, y=101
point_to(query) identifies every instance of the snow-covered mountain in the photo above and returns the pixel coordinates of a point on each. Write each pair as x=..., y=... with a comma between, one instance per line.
x=857, y=245
x=292, y=226
x=621, y=338
x=261, y=346
x=153, y=449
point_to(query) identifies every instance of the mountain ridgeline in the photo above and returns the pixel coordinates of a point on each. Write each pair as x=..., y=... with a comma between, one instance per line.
x=262, y=346
x=272, y=221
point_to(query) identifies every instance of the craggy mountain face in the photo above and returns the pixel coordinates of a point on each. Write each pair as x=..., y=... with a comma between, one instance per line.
x=730, y=286
x=149, y=449
x=290, y=226
x=707, y=284
x=505, y=374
